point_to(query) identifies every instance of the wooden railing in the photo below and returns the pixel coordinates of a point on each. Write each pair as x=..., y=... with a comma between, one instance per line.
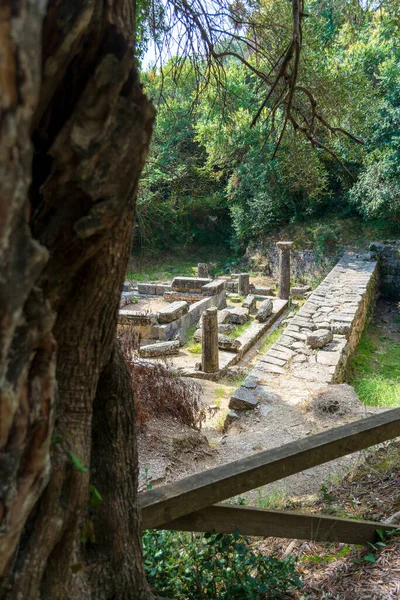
x=190, y=504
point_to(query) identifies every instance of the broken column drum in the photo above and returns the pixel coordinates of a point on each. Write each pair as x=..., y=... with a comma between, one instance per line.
x=284, y=269
x=202, y=270
x=244, y=283
x=209, y=349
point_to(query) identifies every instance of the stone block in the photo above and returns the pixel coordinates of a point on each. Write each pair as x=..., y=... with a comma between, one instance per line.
x=239, y=316
x=243, y=283
x=243, y=399
x=197, y=335
x=127, y=298
x=224, y=316
x=231, y=286
x=341, y=318
x=136, y=318
x=209, y=342
x=225, y=328
x=172, y=312
x=202, y=270
x=303, y=322
x=250, y=303
x=230, y=418
x=328, y=358
x=340, y=328
x=318, y=374
x=319, y=338
x=250, y=382
x=189, y=284
x=270, y=368
x=227, y=343
x=268, y=358
x=147, y=288
x=264, y=311
x=277, y=354
x=282, y=350
x=300, y=291
x=162, y=349
x=234, y=298
x=127, y=287
x=288, y=342
x=161, y=288
x=214, y=287
x=300, y=337
x=191, y=298
x=258, y=291
x=300, y=358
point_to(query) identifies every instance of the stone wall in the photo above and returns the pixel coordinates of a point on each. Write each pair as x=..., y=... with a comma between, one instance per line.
x=306, y=265
x=388, y=255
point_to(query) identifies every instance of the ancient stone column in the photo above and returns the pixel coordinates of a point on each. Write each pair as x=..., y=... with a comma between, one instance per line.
x=209, y=340
x=284, y=269
x=244, y=282
x=202, y=270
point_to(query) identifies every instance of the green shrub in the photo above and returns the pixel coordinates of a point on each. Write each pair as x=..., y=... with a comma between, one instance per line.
x=187, y=566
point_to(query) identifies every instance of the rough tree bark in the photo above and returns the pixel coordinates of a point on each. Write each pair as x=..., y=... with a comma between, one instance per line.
x=75, y=130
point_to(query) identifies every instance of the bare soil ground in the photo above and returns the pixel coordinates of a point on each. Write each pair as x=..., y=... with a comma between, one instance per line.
x=346, y=572
x=270, y=425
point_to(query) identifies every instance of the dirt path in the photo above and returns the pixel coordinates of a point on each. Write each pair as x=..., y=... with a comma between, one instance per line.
x=275, y=422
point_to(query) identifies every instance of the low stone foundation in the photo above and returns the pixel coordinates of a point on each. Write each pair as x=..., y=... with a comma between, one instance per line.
x=149, y=327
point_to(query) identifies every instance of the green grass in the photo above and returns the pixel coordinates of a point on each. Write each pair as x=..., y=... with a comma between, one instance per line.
x=181, y=261
x=191, y=345
x=194, y=348
x=239, y=329
x=271, y=339
x=278, y=499
x=375, y=369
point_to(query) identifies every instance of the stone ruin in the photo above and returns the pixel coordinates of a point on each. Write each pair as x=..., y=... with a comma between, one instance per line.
x=187, y=297
x=314, y=348
x=202, y=300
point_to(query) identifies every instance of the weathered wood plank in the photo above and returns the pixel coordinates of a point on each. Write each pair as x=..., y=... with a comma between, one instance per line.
x=168, y=502
x=225, y=518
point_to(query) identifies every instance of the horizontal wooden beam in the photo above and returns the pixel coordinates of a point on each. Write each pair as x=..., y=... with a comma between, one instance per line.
x=168, y=502
x=225, y=518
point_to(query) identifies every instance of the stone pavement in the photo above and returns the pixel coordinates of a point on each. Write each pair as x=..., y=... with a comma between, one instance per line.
x=335, y=312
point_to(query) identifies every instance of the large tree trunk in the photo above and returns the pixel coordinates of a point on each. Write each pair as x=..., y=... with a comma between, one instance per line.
x=63, y=253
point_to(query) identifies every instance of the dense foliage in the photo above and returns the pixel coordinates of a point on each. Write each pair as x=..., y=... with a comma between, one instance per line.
x=198, y=566
x=210, y=176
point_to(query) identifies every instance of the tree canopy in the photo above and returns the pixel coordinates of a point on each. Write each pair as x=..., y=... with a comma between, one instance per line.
x=219, y=165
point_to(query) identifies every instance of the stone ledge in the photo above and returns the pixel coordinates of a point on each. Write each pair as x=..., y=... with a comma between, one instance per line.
x=189, y=284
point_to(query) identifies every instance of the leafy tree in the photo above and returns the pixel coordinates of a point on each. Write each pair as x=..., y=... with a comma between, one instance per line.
x=377, y=191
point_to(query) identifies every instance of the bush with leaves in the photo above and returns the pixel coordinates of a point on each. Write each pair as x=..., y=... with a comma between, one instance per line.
x=201, y=566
